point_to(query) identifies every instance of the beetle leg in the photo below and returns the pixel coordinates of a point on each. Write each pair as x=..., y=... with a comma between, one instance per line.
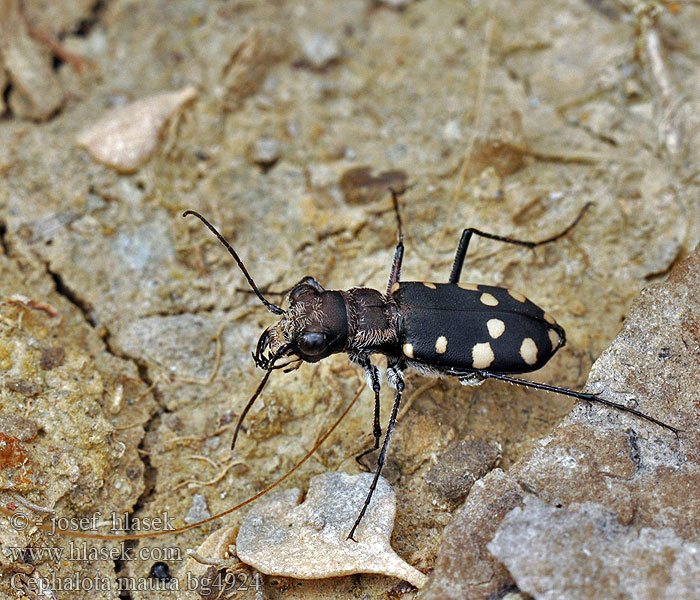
x=467, y=236
x=580, y=396
x=382, y=454
x=472, y=379
x=395, y=274
x=374, y=380
x=394, y=373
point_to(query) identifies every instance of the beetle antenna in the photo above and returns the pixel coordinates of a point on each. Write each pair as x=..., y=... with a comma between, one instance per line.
x=269, y=366
x=273, y=308
x=248, y=406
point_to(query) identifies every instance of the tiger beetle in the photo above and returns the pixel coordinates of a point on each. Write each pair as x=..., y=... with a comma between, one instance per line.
x=470, y=331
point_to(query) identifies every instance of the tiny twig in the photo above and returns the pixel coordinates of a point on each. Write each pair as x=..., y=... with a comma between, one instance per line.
x=216, y=479
x=419, y=392
x=31, y=505
x=232, y=564
x=203, y=458
x=217, y=362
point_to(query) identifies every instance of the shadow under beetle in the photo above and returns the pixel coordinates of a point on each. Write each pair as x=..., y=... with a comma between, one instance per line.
x=470, y=331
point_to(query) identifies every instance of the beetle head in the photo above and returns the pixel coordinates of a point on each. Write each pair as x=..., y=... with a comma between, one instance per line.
x=314, y=326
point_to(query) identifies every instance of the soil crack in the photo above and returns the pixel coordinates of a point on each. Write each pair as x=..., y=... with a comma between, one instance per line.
x=3, y=240
x=82, y=305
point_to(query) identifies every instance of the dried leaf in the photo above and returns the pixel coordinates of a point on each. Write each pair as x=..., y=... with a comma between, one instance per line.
x=309, y=540
x=126, y=136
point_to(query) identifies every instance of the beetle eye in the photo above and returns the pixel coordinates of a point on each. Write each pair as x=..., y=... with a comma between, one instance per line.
x=312, y=343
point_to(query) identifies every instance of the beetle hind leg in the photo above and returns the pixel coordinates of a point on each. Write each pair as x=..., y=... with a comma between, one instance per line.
x=581, y=396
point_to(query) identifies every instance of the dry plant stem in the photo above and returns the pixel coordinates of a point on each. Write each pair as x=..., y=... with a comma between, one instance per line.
x=204, y=459
x=419, y=392
x=74, y=60
x=216, y=479
x=657, y=66
x=131, y=425
x=217, y=362
x=668, y=93
x=220, y=563
x=24, y=502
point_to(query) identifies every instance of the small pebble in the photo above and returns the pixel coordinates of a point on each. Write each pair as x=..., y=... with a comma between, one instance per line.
x=360, y=186
x=265, y=151
x=52, y=358
x=320, y=50
x=199, y=510
x=160, y=571
x=461, y=465
x=19, y=427
x=451, y=131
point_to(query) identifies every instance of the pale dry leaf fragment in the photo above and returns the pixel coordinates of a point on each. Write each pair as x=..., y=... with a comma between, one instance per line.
x=281, y=537
x=125, y=137
x=208, y=570
x=256, y=53
x=215, y=547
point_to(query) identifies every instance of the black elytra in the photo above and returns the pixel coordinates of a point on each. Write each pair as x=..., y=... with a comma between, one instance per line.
x=470, y=331
x=468, y=326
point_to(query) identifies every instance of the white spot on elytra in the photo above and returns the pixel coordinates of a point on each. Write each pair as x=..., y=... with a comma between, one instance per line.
x=432, y=286
x=496, y=328
x=395, y=287
x=517, y=295
x=441, y=345
x=469, y=286
x=488, y=299
x=482, y=355
x=528, y=351
x=408, y=350
x=554, y=338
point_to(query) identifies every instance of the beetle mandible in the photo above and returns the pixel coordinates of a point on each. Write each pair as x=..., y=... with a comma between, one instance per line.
x=470, y=331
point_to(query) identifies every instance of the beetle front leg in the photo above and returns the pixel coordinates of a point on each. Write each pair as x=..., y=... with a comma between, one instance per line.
x=394, y=372
x=374, y=380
